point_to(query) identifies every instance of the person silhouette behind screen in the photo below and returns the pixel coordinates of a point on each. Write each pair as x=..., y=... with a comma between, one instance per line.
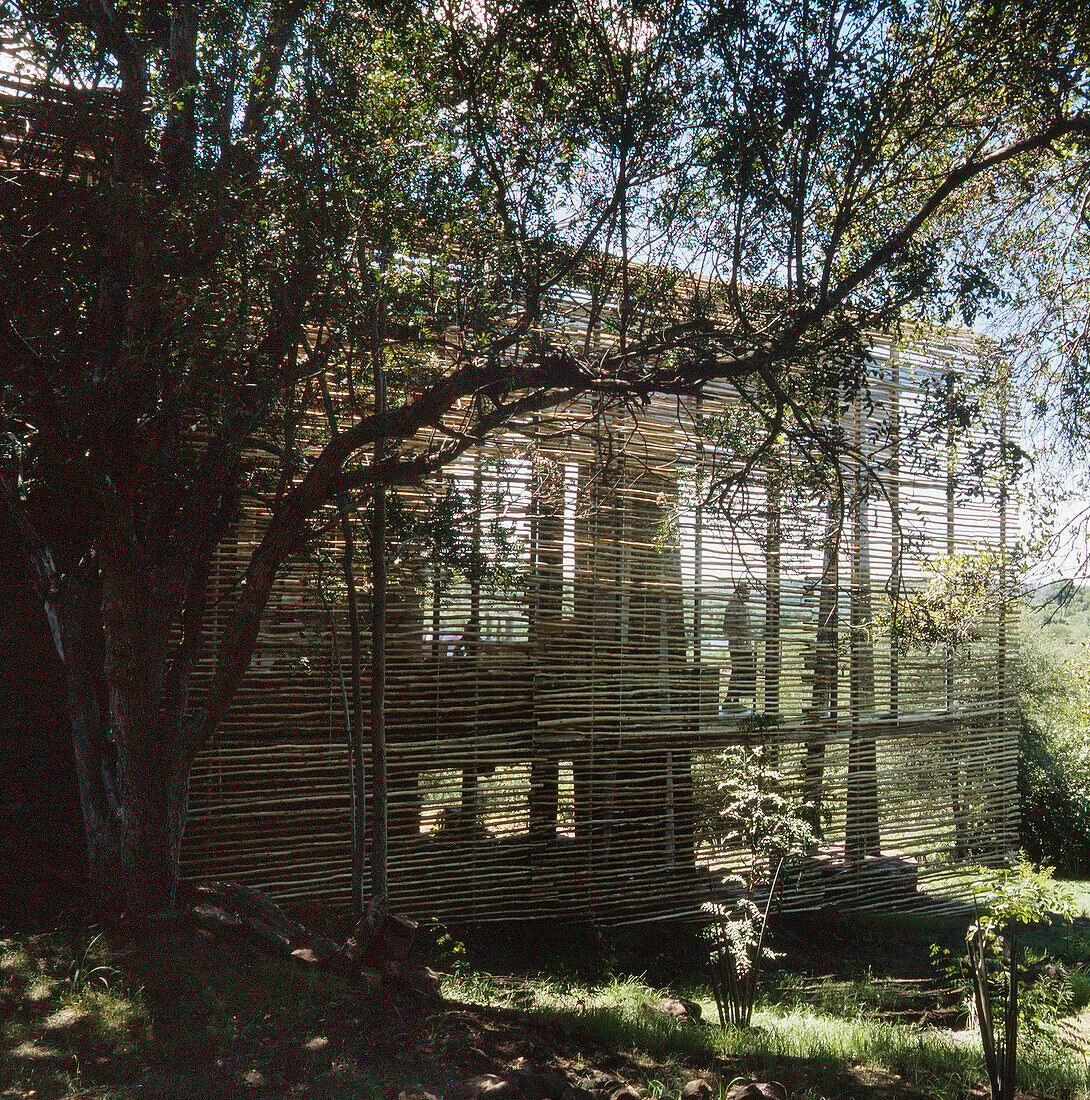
x=739, y=636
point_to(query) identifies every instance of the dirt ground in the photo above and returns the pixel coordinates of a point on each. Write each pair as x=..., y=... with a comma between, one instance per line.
x=220, y=1021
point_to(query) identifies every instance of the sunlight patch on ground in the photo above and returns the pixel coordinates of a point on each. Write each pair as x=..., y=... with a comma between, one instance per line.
x=65, y=1019
x=13, y=959
x=40, y=990
x=34, y=1052
x=1080, y=891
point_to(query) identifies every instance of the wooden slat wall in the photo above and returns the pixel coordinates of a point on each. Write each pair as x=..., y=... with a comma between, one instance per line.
x=563, y=762
x=52, y=128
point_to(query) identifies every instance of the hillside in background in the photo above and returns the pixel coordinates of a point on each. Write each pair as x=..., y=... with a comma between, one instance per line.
x=1061, y=611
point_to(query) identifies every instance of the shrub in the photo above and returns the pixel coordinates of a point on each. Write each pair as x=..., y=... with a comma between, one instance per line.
x=767, y=826
x=1054, y=756
x=1003, y=1004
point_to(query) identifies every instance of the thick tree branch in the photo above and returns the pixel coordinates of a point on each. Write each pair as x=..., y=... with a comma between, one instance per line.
x=281, y=24
x=953, y=182
x=194, y=605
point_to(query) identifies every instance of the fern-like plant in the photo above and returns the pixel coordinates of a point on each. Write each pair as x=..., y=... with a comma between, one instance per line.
x=757, y=817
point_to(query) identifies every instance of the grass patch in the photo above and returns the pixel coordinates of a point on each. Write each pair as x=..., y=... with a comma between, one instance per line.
x=834, y=1046
x=169, y=1007
x=845, y=998
x=55, y=1027
x=174, y=1014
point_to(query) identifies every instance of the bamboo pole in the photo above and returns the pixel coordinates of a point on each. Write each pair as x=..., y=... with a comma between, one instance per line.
x=379, y=803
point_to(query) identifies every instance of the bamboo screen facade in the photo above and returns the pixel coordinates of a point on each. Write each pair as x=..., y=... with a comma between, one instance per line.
x=557, y=716
x=558, y=713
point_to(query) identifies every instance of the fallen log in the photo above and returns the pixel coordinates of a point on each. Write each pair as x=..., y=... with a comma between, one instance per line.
x=379, y=946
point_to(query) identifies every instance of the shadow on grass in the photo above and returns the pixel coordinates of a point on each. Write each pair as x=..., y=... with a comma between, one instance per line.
x=810, y=1052
x=176, y=1016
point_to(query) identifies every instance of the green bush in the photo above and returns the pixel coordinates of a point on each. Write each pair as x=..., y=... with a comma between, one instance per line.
x=1054, y=754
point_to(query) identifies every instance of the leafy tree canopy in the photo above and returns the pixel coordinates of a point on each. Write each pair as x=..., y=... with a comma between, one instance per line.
x=222, y=217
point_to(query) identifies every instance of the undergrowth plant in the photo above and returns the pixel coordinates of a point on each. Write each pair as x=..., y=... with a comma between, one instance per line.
x=84, y=972
x=757, y=818
x=449, y=951
x=1003, y=1002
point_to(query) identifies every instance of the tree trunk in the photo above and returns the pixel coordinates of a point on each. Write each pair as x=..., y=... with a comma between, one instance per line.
x=111, y=617
x=133, y=775
x=79, y=645
x=132, y=852
x=155, y=794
